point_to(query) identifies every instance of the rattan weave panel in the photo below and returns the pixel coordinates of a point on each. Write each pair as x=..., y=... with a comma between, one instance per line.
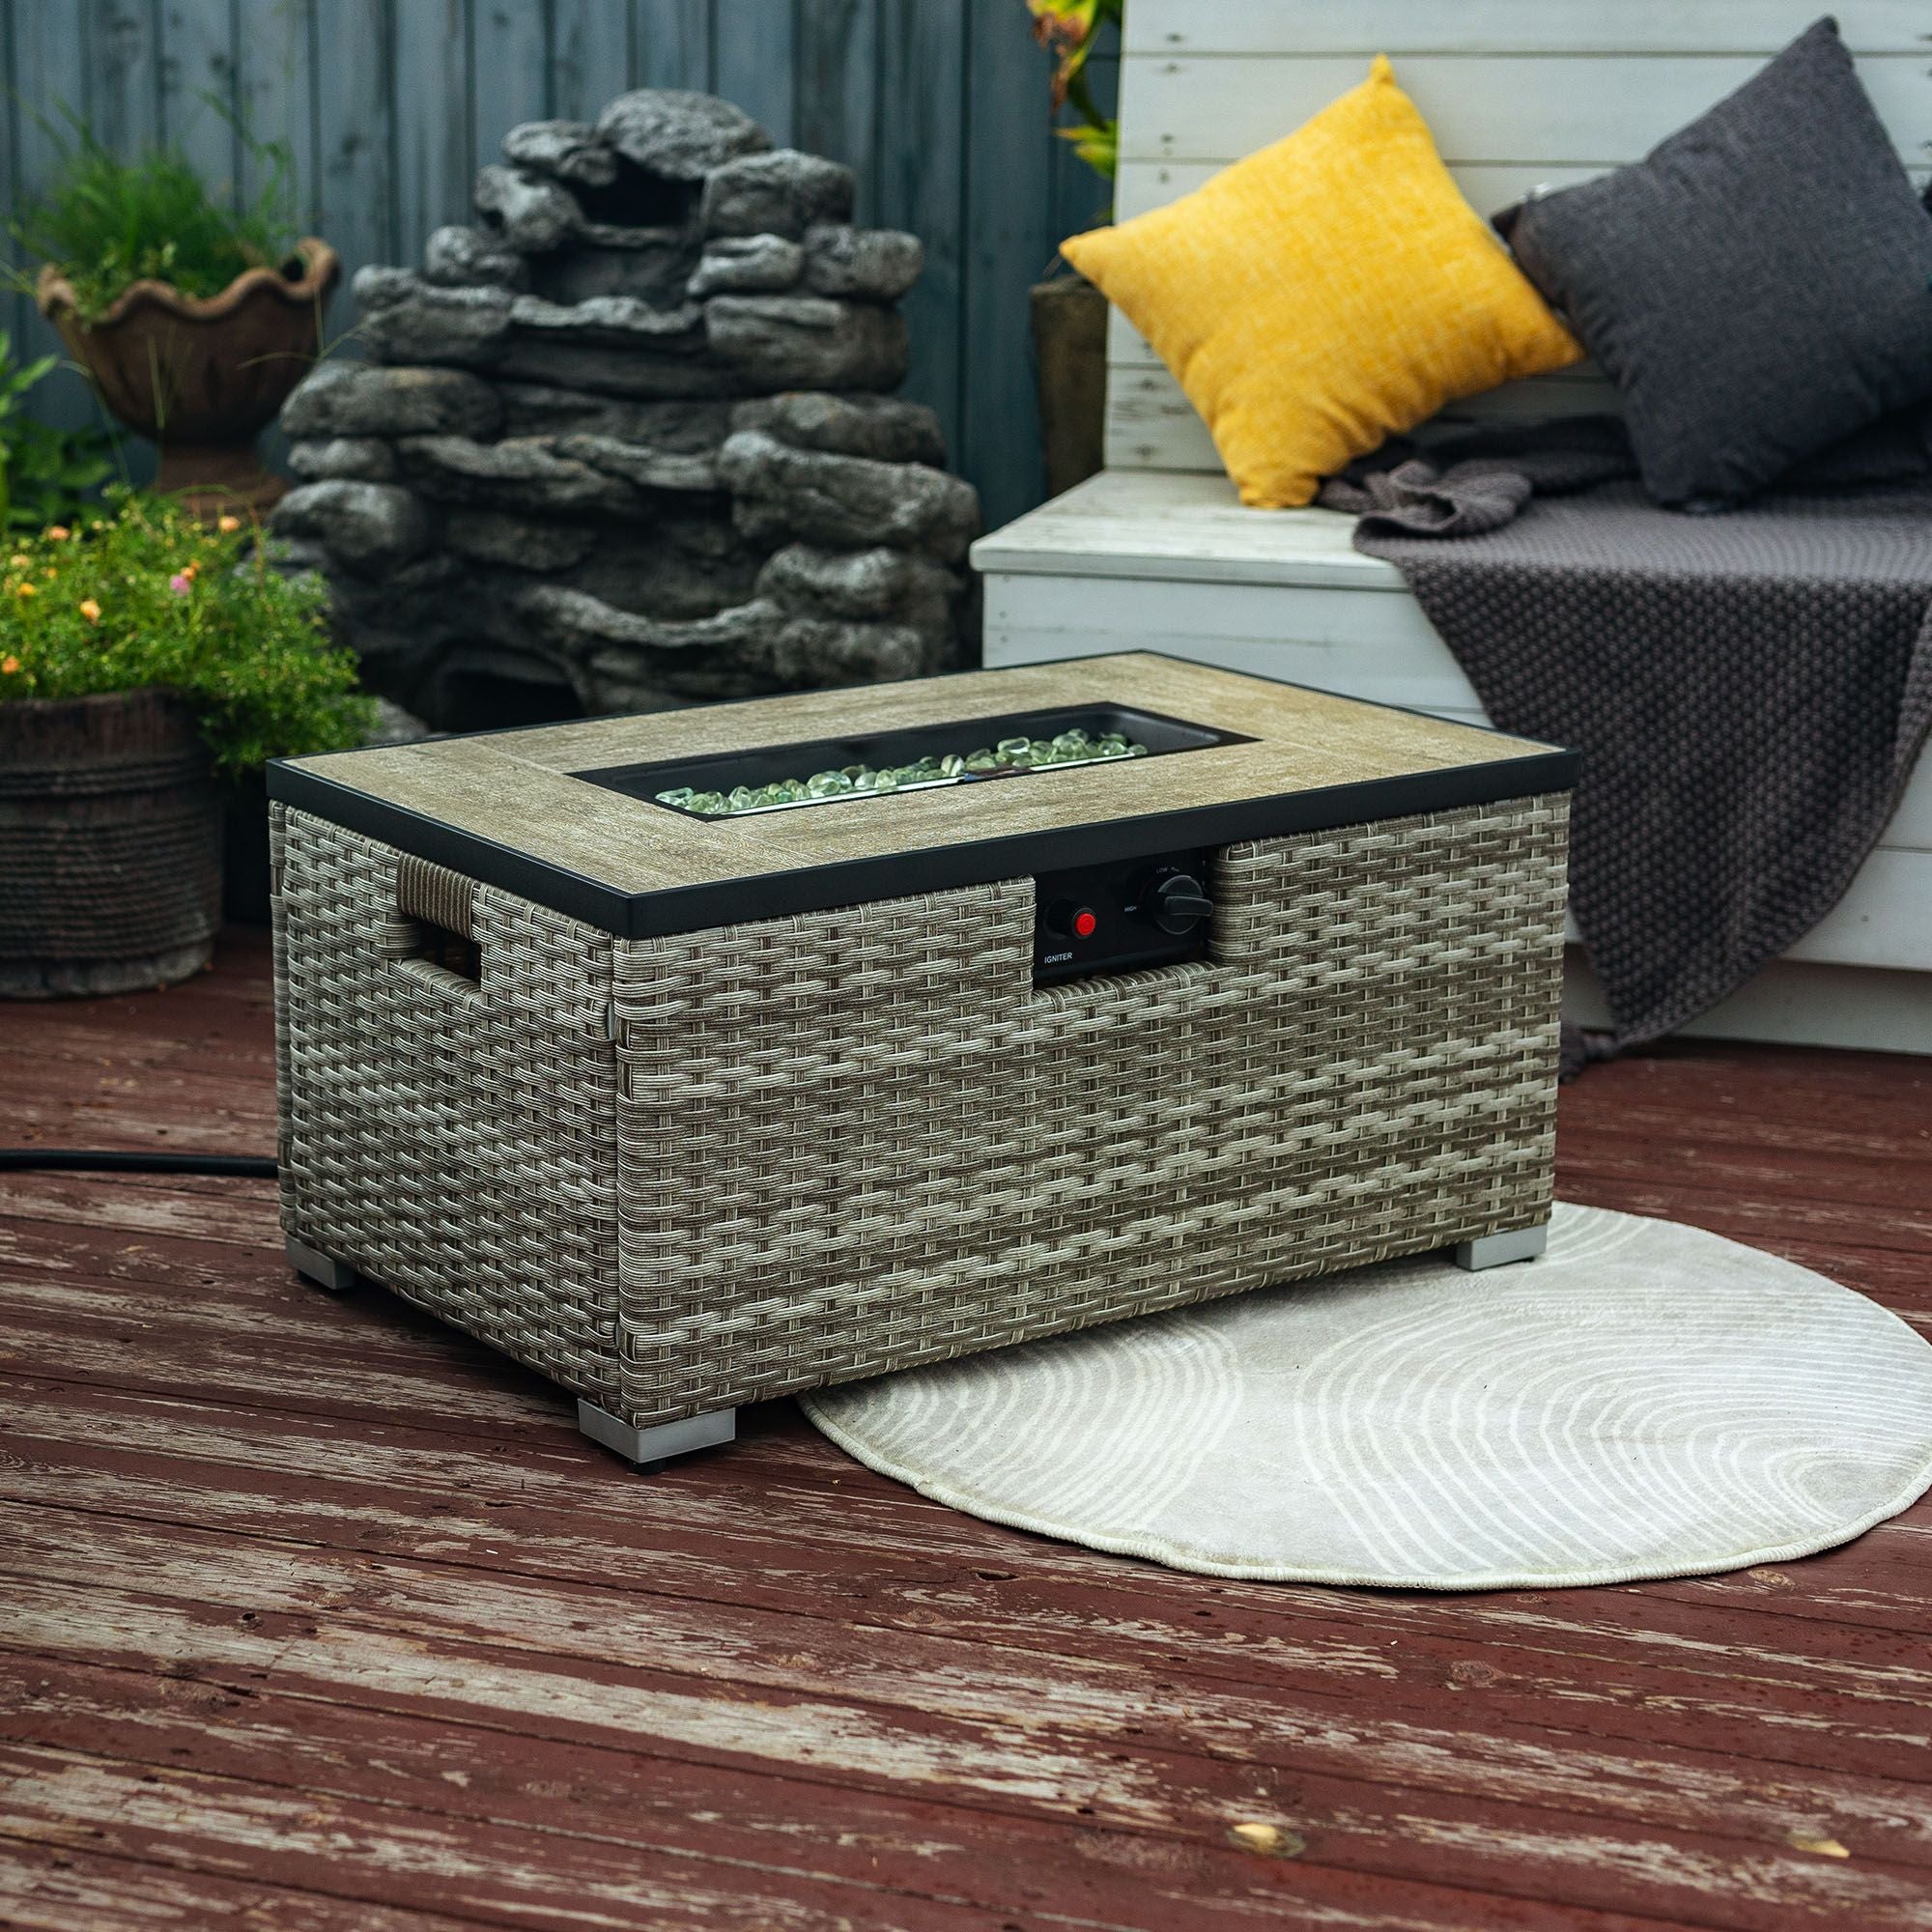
x=854, y=1141
x=830, y=1145
x=454, y=1140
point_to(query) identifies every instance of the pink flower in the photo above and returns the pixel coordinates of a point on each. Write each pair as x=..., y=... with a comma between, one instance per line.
x=181, y=583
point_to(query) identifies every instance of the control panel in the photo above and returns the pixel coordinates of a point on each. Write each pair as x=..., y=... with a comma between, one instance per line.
x=1121, y=916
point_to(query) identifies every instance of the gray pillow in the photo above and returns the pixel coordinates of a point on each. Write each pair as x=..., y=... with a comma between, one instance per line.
x=1757, y=287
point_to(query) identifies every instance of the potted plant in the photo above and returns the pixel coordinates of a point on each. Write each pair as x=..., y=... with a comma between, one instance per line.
x=1070, y=314
x=193, y=320
x=140, y=656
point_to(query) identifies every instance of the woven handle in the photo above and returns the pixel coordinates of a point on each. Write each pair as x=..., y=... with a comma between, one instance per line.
x=438, y=908
x=434, y=894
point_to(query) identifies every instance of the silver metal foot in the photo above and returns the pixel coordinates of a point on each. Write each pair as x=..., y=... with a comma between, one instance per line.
x=325, y=1271
x=1513, y=1244
x=647, y=1447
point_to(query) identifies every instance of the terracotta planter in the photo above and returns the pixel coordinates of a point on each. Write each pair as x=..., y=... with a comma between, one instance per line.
x=1070, y=339
x=201, y=378
x=110, y=845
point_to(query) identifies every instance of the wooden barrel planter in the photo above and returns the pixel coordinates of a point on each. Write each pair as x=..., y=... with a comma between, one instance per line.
x=110, y=845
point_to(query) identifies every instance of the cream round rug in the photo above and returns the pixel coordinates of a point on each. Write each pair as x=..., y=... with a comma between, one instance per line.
x=1647, y=1400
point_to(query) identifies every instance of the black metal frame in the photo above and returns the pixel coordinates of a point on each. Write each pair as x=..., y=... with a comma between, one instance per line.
x=823, y=888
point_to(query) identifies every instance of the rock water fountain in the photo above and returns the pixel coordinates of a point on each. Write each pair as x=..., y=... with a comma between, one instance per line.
x=629, y=442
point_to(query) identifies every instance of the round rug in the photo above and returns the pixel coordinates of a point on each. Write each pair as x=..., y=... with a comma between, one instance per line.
x=1647, y=1400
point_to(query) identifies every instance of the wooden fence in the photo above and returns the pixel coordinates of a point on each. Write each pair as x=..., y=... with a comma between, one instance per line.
x=391, y=106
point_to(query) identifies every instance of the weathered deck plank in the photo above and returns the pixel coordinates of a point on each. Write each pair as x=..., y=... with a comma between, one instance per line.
x=1404, y=1813
x=272, y=1644
x=704, y=1813
x=548, y=1514
x=54, y=1887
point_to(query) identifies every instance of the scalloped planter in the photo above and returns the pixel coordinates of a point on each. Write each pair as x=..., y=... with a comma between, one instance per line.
x=201, y=376
x=110, y=845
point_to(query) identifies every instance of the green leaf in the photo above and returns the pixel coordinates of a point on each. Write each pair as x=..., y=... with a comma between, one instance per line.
x=53, y=475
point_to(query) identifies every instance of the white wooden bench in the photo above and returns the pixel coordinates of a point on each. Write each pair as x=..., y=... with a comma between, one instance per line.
x=1156, y=553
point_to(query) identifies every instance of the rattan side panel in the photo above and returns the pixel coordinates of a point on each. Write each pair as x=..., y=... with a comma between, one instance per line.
x=854, y=1141
x=278, y=838
x=454, y=1140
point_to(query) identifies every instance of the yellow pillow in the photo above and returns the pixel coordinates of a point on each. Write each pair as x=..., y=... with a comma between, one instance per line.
x=1324, y=294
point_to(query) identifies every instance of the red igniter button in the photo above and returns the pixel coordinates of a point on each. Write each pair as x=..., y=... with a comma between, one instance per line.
x=1084, y=924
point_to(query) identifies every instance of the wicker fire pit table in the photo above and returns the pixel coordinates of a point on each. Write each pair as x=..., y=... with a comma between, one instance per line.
x=696, y=1057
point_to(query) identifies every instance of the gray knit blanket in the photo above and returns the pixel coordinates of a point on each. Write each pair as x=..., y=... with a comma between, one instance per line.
x=1749, y=690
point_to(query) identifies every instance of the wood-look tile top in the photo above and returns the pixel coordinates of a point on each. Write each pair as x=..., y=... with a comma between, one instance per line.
x=519, y=788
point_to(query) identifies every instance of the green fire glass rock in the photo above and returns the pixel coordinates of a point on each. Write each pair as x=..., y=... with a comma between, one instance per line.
x=1010, y=755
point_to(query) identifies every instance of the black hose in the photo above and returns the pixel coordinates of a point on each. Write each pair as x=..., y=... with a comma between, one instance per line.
x=248, y=1166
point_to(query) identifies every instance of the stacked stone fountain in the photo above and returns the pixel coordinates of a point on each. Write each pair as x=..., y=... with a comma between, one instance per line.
x=629, y=442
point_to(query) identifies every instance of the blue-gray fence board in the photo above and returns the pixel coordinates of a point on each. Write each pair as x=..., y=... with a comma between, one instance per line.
x=390, y=105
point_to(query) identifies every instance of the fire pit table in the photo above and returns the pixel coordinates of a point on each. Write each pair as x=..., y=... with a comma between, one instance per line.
x=699, y=1057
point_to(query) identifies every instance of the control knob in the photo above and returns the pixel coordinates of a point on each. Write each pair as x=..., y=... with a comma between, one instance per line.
x=1177, y=902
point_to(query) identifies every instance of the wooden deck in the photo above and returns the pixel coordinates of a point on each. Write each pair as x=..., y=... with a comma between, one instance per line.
x=315, y=1616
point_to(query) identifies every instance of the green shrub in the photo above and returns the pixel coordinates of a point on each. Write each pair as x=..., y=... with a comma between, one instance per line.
x=147, y=596
x=46, y=475
x=108, y=223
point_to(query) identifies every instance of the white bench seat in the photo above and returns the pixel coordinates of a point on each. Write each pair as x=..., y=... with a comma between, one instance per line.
x=1114, y=522
x=1156, y=554
x=1139, y=559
